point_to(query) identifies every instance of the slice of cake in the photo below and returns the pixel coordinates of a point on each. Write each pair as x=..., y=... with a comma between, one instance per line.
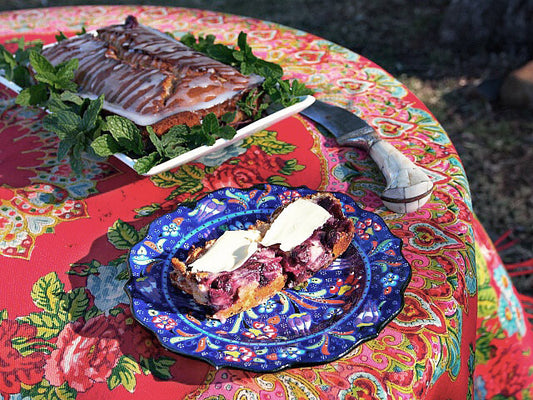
x=151, y=78
x=242, y=269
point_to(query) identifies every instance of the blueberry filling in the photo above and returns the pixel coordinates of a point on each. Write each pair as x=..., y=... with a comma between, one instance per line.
x=268, y=263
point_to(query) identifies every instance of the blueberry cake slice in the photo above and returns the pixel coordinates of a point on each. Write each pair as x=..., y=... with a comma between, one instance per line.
x=242, y=269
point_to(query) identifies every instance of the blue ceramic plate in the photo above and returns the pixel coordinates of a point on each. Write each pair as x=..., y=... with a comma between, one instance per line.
x=341, y=306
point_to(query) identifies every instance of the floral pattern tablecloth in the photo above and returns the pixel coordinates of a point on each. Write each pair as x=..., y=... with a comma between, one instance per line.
x=66, y=328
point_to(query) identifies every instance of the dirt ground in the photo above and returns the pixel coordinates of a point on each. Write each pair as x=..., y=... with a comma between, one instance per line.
x=495, y=143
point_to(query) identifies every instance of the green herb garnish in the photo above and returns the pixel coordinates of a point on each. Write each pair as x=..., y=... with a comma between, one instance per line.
x=126, y=137
x=50, y=80
x=241, y=58
x=15, y=65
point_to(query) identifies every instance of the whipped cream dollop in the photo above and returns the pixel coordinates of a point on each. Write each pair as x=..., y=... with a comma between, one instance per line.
x=295, y=224
x=229, y=252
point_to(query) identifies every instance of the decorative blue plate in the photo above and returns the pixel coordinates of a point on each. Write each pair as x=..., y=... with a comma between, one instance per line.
x=341, y=306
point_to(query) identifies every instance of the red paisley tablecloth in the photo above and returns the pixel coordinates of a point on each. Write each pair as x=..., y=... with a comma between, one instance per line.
x=66, y=328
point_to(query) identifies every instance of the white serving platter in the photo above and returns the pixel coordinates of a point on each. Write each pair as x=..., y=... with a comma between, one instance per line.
x=201, y=151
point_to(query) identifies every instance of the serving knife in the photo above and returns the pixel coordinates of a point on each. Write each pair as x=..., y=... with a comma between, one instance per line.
x=408, y=187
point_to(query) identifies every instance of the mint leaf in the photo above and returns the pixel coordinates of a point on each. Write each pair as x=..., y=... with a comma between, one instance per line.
x=199, y=137
x=91, y=114
x=285, y=92
x=174, y=142
x=251, y=104
x=7, y=60
x=58, y=77
x=82, y=31
x=125, y=133
x=32, y=96
x=210, y=123
x=15, y=66
x=65, y=71
x=202, y=44
x=21, y=76
x=175, y=151
x=268, y=69
x=227, y=132
x=22, y=54
x=241, y=42
x=40, y=64
x=177, y=132
x=76, y=162
x=65, y=101
x=156, y=141
x=62, y=123
x=172, y=138
x=71, y=97
x=222, y=53
x=105, y=146
x=189, y=40
x=169, y=145
x=54, y=104
x=60, y=36
x=228, y=117
x=144, y=164
x=65, y=146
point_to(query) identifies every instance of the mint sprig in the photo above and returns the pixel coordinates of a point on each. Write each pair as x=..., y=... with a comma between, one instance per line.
x=240, y=57
x=50, y=80
x=76, y=130
x=15, y=65
x=61, y=36
x=181, y=138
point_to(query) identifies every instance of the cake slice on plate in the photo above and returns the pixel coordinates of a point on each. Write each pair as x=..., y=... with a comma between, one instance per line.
x=242, y=269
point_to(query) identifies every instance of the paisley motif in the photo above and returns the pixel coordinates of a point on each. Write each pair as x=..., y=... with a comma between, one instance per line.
x=364, y=386
x=429, y=238
x=27, y=213
x=419, y=315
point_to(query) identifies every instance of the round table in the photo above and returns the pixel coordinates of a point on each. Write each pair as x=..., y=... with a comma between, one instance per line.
x=66, y=327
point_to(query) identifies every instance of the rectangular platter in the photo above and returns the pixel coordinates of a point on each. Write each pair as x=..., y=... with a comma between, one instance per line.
x=201, y=151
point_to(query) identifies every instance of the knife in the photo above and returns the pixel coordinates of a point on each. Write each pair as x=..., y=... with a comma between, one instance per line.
x=408, y=187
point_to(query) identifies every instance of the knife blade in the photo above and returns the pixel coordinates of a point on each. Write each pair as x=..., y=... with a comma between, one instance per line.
x=407, y=185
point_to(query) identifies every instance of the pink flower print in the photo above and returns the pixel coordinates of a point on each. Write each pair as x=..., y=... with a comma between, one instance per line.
x=261, y=331
x=164, y=322
x=236, y=353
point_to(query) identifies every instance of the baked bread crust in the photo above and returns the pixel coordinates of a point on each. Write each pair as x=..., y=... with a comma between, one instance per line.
x=270, y=269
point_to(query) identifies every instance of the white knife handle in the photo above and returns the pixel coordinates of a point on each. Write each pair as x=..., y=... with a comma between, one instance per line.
x=408, y=187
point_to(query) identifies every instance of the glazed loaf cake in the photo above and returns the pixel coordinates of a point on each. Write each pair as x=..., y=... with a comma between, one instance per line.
x=151, y=78
x=242, y=269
